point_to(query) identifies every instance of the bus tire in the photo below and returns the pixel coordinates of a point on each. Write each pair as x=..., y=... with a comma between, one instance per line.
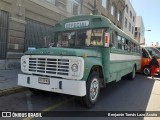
x=132, y=75
x=146, y=71
x=92, y=91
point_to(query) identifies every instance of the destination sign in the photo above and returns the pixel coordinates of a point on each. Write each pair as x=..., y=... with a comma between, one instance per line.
x=77, y=24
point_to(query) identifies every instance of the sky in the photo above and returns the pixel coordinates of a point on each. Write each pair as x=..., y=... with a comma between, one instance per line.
x=150, y=12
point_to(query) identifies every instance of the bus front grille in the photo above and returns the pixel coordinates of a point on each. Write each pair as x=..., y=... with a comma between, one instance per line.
x=49, y=66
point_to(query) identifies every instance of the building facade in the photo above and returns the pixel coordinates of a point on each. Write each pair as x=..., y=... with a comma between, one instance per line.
x=29, y=23
x=129, y=19
x=139, y=30
x=114, y=10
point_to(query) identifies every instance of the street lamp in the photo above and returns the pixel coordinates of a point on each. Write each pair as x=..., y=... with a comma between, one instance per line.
x=143, y=36
x=144, y=30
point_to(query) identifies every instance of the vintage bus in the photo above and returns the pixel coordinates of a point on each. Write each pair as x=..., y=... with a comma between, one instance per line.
x=88, y=51
x=147, y=53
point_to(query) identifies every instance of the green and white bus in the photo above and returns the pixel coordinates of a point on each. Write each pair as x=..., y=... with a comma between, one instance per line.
x=88, y=52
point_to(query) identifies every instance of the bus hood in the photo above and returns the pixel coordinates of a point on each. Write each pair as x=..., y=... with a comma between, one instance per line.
x=65, y=52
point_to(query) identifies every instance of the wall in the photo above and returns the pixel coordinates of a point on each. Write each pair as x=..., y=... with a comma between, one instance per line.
x=38, y=10
x=131, y=20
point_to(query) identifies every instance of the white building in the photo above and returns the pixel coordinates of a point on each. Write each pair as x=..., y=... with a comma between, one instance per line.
x=139, y=30
x=129, y=19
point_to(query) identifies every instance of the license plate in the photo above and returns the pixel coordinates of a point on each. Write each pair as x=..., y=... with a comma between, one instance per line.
x=44, y=80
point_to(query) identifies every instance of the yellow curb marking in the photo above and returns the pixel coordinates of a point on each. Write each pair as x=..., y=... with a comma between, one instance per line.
x=51, y=108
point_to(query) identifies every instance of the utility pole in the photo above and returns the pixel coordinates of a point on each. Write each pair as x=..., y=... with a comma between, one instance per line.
x=94, y=7
x=95, y=11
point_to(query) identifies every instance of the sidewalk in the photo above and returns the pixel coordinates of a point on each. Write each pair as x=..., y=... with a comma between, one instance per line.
x=154, y=101
x=8, y=82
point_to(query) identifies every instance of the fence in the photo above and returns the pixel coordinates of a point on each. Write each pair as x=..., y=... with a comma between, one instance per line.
x=4, y=17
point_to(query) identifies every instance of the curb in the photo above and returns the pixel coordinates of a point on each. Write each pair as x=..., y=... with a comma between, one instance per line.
x=12, y=90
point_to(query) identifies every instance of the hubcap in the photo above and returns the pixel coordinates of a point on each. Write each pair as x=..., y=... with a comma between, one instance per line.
x=146, y=71
x=94, y=89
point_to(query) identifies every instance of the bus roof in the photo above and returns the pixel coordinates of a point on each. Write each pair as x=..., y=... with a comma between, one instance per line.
x=89, y=22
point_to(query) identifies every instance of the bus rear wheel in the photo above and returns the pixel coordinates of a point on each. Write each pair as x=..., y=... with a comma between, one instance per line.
x=146, y=70
x=92, y=91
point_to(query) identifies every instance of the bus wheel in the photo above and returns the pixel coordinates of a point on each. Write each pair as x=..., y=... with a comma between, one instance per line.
x=132, y=75
x=146, y=70
x=93, y=90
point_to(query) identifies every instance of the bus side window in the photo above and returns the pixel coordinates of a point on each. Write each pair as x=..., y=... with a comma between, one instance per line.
x=144, y=53
x=114, y=40
x=137, y=49
x=127, y=47
x=123, y=44
x=132, y=47
x=119, y=39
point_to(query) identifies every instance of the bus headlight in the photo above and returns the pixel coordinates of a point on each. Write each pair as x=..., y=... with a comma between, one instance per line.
x=23, y=62
x=74, y=67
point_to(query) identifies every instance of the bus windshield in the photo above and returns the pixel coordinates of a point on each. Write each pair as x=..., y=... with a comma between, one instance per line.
x=158, y=48
x=79, y=38
x=155, y=52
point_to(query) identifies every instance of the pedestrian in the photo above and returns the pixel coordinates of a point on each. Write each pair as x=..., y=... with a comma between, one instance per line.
x=153, y=65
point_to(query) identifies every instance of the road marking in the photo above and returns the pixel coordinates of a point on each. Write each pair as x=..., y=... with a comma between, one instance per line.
x=51, y=108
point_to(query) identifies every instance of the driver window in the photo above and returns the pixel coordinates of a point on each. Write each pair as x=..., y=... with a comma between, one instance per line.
x=81, y=38
x=97, y=37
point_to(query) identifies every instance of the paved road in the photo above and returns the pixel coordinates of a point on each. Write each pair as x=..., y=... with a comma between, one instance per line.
x=122, y=96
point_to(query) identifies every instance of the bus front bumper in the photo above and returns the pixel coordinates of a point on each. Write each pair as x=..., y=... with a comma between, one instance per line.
x=64, y=86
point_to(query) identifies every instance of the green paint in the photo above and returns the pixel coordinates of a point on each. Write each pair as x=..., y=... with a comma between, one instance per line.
x=99, y=56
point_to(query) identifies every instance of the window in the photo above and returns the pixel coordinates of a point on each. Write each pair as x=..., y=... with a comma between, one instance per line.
x=135, y=28
x=130, y=14
x=37, y=34
x=125, y=22
x=79, y=38
x=136, y=34
x=75, y=8
x=114, y=39
x=127, y=44
x=51, y=1
x=144, y=53
x=112, y=10
x=123, y=43
x=127, y=9
x=119, y=16
x=129, y=26
x=133, y=18
x=119, y=42
x=104, y=3
x=132, y=29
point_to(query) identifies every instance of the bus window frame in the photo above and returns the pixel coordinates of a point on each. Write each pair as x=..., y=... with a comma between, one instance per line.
x=76, y=39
